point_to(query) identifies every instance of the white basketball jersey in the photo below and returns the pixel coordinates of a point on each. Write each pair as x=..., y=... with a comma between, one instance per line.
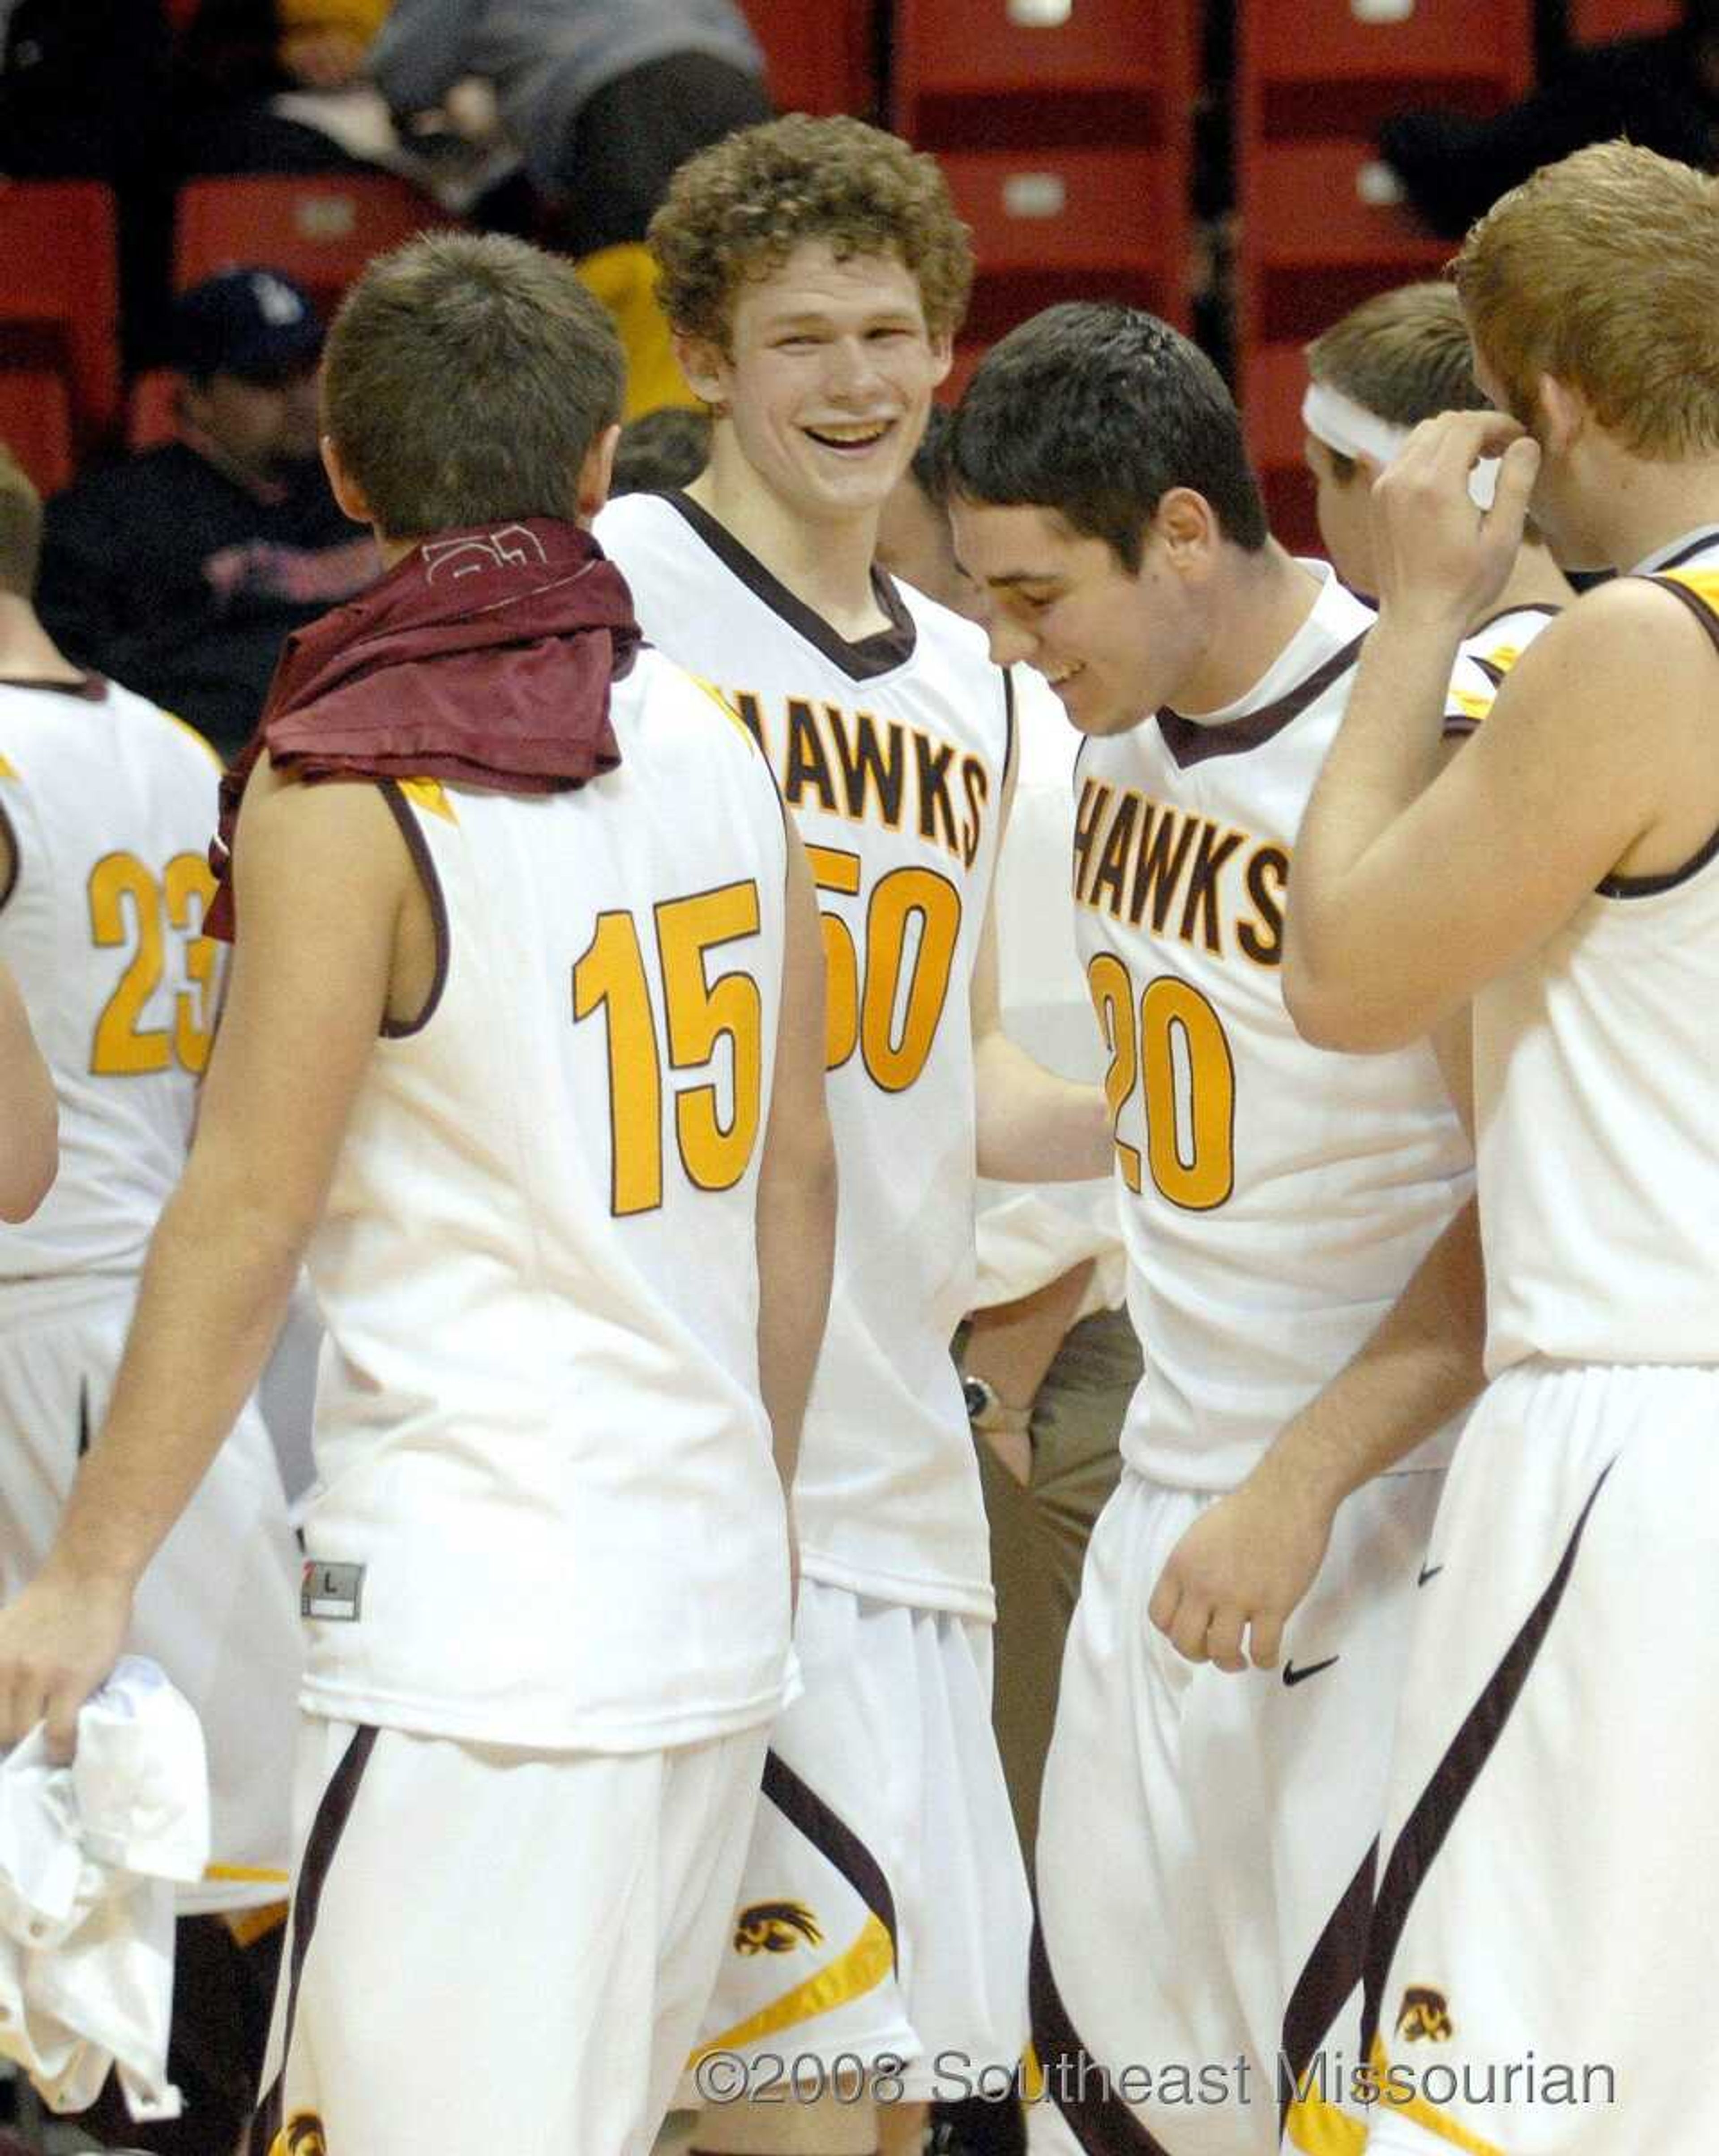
x=1493, y=648
x=551, y=1516
x=111, y=806
x=1594, y=1063
x=1276, y=1198
x=891, y=753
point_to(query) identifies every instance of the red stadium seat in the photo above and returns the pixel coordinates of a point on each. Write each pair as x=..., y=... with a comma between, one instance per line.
x=321, y=229
x=1322, y=228
x=1338, y=67
x=1597, y=22
x=976, y=74
x=1056, y=224
x=818, y=59
x=36, y=425
x=59, y=290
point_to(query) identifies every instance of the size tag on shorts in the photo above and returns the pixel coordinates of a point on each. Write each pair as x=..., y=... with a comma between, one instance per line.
x=334, y=1593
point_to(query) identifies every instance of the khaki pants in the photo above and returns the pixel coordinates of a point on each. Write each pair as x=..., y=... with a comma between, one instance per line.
x=1039, y=1536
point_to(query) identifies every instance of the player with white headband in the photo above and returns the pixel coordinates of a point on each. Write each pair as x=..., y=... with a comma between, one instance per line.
x=1398, y=358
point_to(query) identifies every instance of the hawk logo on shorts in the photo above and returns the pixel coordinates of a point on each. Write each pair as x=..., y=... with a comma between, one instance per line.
x=1423, y=2015
x=776, y=1927
x=303, y=2137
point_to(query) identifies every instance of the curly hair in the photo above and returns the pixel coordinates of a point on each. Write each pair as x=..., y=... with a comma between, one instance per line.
x=736, y=211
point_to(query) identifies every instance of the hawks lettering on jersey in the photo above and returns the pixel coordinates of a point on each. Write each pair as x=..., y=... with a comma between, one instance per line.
x=1197, y=878
x=849, y=764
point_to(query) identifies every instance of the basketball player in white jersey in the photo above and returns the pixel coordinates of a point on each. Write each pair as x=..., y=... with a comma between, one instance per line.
x=1303, y=1272
x=815, y=272
x=522, y=1053
x=1548, y=1903
x=106, y=806
x=1400, y=357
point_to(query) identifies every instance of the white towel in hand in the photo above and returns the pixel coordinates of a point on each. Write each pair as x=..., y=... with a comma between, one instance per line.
x=88, y=1857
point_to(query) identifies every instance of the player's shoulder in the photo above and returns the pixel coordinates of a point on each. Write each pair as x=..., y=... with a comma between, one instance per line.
x=632, y=521
x=659, y=694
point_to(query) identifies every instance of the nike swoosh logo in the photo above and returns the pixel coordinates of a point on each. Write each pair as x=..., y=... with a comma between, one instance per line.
x=1292, y=1676
x=1429, y=1572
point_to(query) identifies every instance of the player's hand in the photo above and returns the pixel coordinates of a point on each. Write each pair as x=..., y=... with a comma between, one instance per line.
x=1238, y=1572
x=57, y=1643
x=1439, y=558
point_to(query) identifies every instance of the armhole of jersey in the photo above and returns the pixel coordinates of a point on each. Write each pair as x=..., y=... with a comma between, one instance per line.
x=1651, y=886
x=422, y=860
x=1011, y=732
x=10, y=830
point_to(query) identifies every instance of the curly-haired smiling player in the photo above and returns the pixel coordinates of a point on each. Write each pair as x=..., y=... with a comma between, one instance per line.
x=815, y=272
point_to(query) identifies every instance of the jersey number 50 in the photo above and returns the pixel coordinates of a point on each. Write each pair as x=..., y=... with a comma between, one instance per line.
x=699, y=1013
x=892, y=1013
x=1176, y=1052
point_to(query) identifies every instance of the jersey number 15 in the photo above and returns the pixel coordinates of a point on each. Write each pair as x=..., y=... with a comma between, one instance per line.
x=699, y=1013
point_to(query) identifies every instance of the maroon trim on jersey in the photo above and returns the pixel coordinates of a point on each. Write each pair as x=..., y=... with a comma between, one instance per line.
x=1333, y=1969
x=91, y=688
x=1078, y=2084
x=1651, y=886
x=333, y=1813
x=8, y=830
x=1435, y=1814
x=834, y=1841
x=412, y=831
x=1708, y=536
x=862, y=661
x=1190, y=742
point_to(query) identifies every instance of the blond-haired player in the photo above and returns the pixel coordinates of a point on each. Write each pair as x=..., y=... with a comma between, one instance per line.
x=1400, y=357
x=815, y=272
x=522, y=1052
x=1547, y=1906
x=106, y=806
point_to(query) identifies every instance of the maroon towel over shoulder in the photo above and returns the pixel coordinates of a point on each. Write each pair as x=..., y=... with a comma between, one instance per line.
x=485, y=657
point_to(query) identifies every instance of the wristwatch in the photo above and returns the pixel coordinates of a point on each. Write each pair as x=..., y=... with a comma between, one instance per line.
x=985, y=1411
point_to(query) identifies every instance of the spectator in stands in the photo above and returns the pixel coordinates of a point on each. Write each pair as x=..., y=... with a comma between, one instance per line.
x=1662, y=93
x=604, y=98
x=236, y=56
x=660, y=452
x=178, y=573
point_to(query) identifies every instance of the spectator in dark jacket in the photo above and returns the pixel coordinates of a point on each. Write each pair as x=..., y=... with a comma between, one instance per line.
x=179, y=571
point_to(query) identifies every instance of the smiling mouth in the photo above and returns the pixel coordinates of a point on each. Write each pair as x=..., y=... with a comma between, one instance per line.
x=1063, y=675
x=862, y=435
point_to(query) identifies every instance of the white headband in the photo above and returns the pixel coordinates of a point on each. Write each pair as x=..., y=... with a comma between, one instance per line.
x=1353, y=431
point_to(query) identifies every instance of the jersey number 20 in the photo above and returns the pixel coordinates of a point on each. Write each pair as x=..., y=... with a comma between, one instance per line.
x=1175, y=1050
x=699, y=1013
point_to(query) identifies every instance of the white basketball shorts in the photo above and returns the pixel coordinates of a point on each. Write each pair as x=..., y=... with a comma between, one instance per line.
x=1541, y=1973
x=1206, y=1847
x=882, y=1921
x=495, y=1949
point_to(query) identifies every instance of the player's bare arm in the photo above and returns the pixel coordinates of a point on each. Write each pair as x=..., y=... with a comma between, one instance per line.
x=797, y=1180
x=1598, y=756
x=1236, y=1576
x=326, y=899
x=1033, y=1126
x=29, y=1152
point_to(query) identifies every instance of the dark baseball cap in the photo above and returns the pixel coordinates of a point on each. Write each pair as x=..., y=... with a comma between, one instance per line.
x=253, y=322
